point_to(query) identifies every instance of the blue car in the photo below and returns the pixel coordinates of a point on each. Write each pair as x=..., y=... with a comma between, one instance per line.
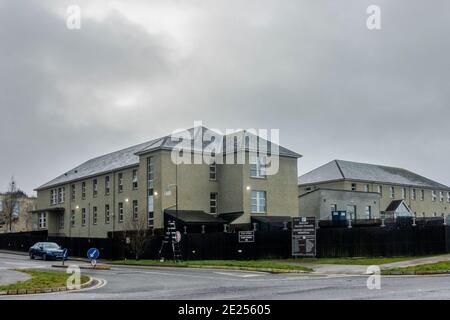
x=46, y=250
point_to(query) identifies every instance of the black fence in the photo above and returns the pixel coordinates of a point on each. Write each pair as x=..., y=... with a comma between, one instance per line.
x=392, y=240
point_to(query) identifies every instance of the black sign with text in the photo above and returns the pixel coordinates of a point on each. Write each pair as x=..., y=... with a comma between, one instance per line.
x=246, y=236
x=304, y=237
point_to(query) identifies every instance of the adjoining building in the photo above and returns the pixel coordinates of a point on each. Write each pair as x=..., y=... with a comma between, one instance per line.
x=422, y=196
x=113, y=192
x=16, y=212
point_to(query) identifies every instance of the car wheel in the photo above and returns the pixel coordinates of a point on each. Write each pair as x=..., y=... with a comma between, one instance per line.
x=44, y=257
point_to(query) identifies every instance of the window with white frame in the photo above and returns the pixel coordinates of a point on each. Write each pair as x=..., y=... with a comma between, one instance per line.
x=150, y=192
x=433, y=196
x=53, y=196
x=413, y=194
x=1, y=205
x=150, y=220
x=403, y=193
x=422, y=195
x=257, y=167
x=351, y=212
x=368, y=212
x=441, y=196
x=94, y=188
x=43, y=220
x=83, y=190
x=353, y=186
x=392, y=192
x=94, y=215
x=16, y=209
x=448, y=197
x=107, y=185
x=150, y=173
x=61, y=221
x=213, y=198
x=333, y=208
x=62, y=195
x=135, y=210
x=120, y=184
x=120, y=212
x=135, y=179
x=366, y=188
x=258, y=201
x=72, y=218
x=213, y=171
x=72, y=192
x=107, y=214
x=83, y=217
x=380, y=190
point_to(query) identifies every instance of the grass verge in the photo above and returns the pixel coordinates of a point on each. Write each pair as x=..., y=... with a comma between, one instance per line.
x=41, y=280
x=431, y=268
x=238, y=264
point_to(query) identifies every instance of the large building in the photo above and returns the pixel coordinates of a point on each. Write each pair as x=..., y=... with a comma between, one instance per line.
x=16, y=212
x=110, y=192
x=424, y=197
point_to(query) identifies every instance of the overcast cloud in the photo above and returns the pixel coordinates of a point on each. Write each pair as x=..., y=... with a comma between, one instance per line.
x=136, y=70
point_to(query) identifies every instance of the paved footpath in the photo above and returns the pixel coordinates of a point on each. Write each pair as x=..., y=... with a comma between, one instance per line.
x=11, y=276
x=415, y=262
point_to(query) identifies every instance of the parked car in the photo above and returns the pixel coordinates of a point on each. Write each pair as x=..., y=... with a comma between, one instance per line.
x=46, y=250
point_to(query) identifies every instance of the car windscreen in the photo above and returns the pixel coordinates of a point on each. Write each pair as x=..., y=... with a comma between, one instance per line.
x=51, y=246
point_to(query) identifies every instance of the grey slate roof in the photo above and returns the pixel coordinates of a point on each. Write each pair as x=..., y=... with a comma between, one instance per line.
x=130, y=157
x=346, y=170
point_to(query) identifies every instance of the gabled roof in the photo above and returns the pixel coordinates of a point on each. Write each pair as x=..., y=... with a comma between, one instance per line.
x=130, y=157
x=346, y=170
x=394, y=205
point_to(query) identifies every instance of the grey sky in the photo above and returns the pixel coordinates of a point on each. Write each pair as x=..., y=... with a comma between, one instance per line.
x=139, y=69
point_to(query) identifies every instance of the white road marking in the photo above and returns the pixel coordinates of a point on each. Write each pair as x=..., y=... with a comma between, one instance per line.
x=240, y=275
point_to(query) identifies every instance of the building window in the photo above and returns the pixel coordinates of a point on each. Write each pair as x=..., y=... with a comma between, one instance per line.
x=83, y=190
x=433, y=196
x=366, y=188
x=94, y=188
x=403, y=193
x=150, y=173
x=43, y=220
x=61, y=221
x=353, y=186
x=392, y=192
x=120, y=185
x=120, y=212
x=1, y=205
x=107, y=185
x=368, y=212
x=61, y=194
x=413, y=194
x=351, y=212
x=257, y=167
x=150, y=220
x=333, y=208
x=135, y=179
x=53, y=197
x=441, y=196
x=94, y=215
x=448, y=197
x=135, y=210
x=72, y=218
x=72, y=192
x=422, y=195
x=380, y=190
x=83, y=217
x=213, y=198
x=150, y=193
x=107, y=214
x=213, y=172
x=258, y=202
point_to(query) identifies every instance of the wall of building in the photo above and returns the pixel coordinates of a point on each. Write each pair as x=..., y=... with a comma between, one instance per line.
x=24, y=221
x=426, y=208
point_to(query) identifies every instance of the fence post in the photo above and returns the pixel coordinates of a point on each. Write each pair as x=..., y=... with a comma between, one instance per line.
x=414, y=222
x=254, y=226
x=382, y=223
x=349, y=223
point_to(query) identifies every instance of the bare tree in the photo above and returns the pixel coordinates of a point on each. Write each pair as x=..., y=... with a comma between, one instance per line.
x=9, y=205
x=137, y=236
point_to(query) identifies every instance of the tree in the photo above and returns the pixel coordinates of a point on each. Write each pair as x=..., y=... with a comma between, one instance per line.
x=11, y=204
x=137, y=236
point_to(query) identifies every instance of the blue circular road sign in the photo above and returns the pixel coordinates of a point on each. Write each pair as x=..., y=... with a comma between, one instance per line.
x=93, y=254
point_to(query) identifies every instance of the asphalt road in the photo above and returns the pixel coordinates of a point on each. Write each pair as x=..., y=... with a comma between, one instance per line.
x=173, y=284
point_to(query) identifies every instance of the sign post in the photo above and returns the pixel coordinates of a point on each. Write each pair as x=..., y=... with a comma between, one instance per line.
x=304, y=237
x=65, y=255
x=93, y=255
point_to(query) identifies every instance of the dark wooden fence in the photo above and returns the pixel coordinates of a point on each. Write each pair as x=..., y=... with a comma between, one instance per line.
x=392, y=240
